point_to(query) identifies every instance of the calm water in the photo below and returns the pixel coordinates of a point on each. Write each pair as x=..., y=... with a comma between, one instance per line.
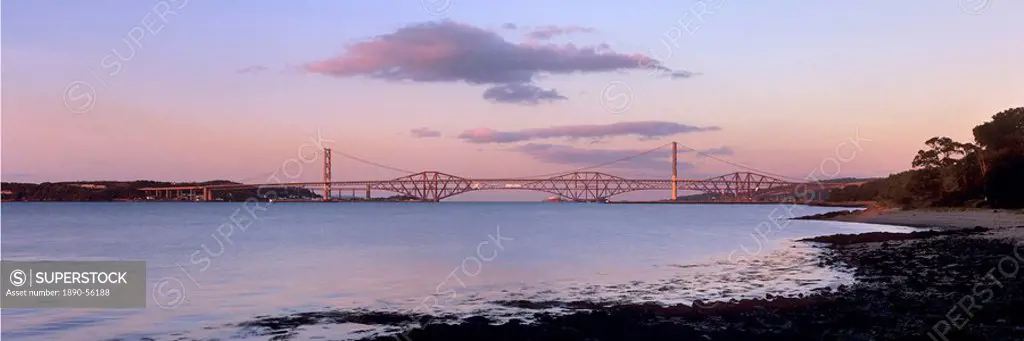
x=303, y=257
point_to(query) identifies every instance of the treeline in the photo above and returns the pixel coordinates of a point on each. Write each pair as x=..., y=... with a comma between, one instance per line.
x=50, y=191
x=128, y=190
x=265, y=193
x=986, y=173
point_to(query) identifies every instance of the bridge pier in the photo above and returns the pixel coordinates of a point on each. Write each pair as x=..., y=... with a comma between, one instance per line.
x=675, y=183
x=327, y=174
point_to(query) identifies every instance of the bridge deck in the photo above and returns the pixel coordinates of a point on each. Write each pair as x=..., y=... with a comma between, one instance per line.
x=575, y=186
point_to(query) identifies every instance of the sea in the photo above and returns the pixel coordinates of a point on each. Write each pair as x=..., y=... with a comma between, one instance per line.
x=212, y=266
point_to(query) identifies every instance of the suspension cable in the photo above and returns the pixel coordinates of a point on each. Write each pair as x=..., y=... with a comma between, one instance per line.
x=372, y=163
x=739, y=165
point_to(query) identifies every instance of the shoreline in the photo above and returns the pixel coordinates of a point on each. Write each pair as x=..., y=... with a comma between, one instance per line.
x=951, y=218
x=949, y=284
x=712, y=202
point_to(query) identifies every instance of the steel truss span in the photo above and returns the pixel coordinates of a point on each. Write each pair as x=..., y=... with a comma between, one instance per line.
x=575, y=186
x=578, y=185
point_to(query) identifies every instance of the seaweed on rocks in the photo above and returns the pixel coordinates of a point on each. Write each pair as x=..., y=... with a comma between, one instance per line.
x=927, y=286
x=285, y=327
x=874, y=237
x=911, y=291
x=828, y=215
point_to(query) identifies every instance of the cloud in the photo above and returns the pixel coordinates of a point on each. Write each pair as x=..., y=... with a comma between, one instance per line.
x=447, y=51
x=643, y=129
x=252, y=69
x=509, y=26
x=723, y=150
x=548, y=32
x=569, y=155
x=424, y=133
x=681, y=74
x=520, y=93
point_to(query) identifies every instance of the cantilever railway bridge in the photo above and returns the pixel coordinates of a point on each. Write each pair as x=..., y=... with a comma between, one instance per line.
x=577, y=185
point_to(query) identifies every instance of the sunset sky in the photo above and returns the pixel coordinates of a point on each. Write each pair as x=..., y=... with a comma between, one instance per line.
x=231, y=89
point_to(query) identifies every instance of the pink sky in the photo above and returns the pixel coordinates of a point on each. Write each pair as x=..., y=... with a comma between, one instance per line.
x=227, y=105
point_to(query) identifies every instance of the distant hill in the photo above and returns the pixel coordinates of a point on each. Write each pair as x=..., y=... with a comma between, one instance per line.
x=699, y=197
x=713, y=197
x=849, y=180
x=122, y=190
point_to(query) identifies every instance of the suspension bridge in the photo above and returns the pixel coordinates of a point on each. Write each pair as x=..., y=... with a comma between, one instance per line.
x=581, y=184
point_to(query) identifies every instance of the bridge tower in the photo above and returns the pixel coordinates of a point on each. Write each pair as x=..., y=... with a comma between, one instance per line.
x=675, y=186
x=327, y=174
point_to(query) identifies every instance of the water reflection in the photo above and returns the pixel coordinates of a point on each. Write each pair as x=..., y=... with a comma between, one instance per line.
x=386, y=257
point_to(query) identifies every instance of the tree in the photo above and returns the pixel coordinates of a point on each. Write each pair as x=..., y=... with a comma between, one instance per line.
x=945, y=174
x=950, y=173
x=926, y=187
x=1002, y=159
x=944, y=152
x=1006, y=130
x=1004, y=183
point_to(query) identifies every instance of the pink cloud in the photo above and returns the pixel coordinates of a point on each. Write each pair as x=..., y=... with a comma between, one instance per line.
x=569, y=155
x=644, y=130
x=447, y=51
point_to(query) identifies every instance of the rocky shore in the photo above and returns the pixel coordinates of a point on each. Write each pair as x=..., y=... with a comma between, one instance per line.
x=937, y=285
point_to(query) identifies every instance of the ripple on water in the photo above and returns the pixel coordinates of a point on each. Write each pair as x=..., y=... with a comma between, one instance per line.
x=787, y=271
x=59, y=325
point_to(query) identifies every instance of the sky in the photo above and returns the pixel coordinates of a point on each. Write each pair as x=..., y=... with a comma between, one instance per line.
x=244, y=90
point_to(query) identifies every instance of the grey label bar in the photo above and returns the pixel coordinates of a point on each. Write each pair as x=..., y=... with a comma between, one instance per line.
x=59, y=284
